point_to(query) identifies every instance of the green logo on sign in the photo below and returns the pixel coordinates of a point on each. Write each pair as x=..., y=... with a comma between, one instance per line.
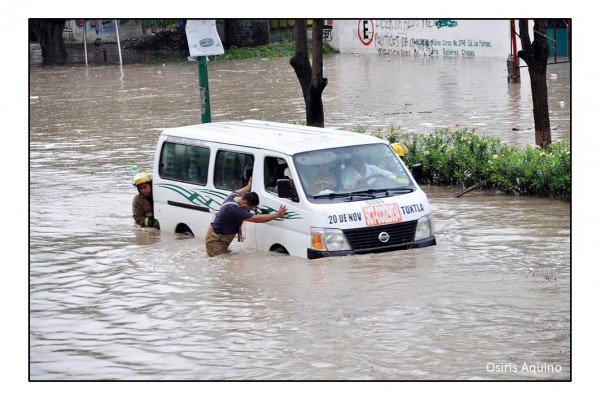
x=206, y=42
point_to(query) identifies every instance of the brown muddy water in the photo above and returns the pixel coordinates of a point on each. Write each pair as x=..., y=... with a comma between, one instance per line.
x=492, y=301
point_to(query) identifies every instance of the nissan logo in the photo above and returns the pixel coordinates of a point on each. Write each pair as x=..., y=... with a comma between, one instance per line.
x=384, y=237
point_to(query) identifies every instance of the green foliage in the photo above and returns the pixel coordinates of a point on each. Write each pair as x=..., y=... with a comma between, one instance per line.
x=282, y=48
x=464, y=158
x=544, y=172
x=360, y=129
x=160, y=23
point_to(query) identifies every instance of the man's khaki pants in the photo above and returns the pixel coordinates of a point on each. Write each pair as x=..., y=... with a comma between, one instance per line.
x=217, y=244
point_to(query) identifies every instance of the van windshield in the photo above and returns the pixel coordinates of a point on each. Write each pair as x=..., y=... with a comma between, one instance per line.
x=352, y=172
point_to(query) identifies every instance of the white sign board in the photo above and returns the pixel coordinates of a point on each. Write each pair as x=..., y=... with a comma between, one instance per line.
x=202, y=37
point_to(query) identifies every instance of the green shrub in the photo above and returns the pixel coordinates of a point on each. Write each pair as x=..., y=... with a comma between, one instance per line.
x=544, y=172
x=282, y=48
x=464, y=158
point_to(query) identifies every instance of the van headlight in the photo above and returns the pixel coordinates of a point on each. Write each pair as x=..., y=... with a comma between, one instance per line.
x=424, y=227
x=328, y=239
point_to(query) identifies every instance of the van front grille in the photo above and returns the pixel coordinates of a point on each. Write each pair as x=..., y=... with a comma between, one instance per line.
x=365, y=240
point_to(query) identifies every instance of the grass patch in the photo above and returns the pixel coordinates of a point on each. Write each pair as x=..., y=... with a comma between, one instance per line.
x=285, y=47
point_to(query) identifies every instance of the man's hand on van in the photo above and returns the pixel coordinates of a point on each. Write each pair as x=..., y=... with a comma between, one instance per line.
x=282, y=211
x=268, y=217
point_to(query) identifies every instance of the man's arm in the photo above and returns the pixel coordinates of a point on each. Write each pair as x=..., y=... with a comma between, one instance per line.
x=139, y=214
x=375, y=170
x=245, y=189
x=268, y=217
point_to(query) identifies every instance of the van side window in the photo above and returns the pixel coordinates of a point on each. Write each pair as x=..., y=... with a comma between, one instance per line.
x=232, y=169
x=273, y=169
x=195, y=167
x=185, y=163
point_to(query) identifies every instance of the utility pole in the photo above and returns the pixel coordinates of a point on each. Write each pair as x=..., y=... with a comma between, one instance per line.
x=512, y=64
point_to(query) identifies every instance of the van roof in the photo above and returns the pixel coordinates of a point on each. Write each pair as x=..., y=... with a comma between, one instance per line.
x=284, y=138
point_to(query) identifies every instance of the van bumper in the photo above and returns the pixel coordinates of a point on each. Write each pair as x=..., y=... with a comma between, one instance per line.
x=314, y=254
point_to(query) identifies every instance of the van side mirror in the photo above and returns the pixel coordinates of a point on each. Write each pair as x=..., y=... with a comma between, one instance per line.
x=284, y=190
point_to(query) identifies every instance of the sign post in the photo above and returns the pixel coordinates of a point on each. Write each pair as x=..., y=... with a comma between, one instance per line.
x=203, y=83
x=203, y=40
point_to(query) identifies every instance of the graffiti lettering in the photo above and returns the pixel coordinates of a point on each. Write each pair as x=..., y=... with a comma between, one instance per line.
x=404, y=25
x=440, y=23
x=423, y=38
x=394, y=52
x=388, y=40
x=449, y=52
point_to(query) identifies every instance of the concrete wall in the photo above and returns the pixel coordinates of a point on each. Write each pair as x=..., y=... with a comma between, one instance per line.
x=423, y=38
x=245, y=32
x=233, y=32
x=103, y=29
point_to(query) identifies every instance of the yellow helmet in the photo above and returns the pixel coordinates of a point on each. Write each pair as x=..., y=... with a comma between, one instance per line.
x=400, y=149
x=142, y=177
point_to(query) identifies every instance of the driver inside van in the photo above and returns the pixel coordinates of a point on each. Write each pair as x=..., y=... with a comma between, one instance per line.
x=320, y=179
x=358, y=173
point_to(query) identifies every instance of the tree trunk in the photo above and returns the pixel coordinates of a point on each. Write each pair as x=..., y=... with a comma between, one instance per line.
x=535, y=56
x=49, y=34
x=300, y=61
x=311, y=80
x=318, y=83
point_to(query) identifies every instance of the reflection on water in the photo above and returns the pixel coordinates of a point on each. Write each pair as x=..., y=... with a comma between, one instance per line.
x=415, y=95
x=108, y=301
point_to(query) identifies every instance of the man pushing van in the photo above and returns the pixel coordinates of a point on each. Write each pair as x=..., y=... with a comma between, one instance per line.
x=228, y=221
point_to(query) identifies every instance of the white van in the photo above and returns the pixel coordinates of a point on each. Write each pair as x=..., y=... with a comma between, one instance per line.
x=310, y=170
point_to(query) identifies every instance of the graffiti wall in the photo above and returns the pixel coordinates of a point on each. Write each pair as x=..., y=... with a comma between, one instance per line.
x=421, y=37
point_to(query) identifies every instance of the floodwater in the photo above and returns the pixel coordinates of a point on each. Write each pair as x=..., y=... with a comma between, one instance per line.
x=492, y=301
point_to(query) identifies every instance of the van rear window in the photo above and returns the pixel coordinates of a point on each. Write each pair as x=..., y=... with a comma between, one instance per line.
x=181, y=162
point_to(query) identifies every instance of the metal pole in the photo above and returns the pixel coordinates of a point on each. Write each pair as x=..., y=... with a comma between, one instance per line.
x=555, y=42
x=118, y=42
x=515, y=57
x=569, y=39
x=204, y=94
x=85, y=41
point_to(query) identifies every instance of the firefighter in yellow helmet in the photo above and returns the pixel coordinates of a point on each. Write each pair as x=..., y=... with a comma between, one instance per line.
x=143, y=204
x=400, y=149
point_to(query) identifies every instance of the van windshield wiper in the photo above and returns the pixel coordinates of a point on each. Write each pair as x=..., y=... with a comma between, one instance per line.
x=388, y=192
x=365, y=192
x=368, y=193
x=330, y=195
x=400, y=190
x=349, y=196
